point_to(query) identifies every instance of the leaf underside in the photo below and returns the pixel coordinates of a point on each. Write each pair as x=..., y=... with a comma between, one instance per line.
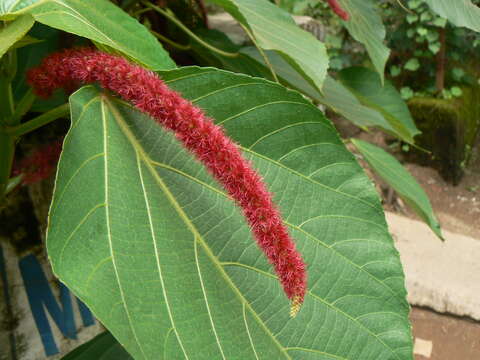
x=366, y=26
x=459, y=12
x=102, y=22
x=274, y=29
x=366, y=85
x=358, y=95
x=401, y=181
x=101, y=347
x=13, y=32
x=152, y=244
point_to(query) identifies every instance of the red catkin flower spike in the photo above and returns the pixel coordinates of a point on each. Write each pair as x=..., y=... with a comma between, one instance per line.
x=40, y=164
x=198, y=133
x=337, y=9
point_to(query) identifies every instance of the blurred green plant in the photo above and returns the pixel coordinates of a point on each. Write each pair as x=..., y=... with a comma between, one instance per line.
x=342, y=49
x=428, y=51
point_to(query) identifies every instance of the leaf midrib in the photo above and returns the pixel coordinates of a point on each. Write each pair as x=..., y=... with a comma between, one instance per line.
x=293, y=226
x=109, y=234
x=354, y=320
x=74, y=13
x=148, y=162
x=393, y=121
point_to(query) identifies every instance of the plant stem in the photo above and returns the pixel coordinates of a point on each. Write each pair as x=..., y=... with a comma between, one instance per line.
x=44, y=119
x=171, y=42
x=6, y=108
x=7, y=151
x=8, y=69
x=260, y=50
x=186, y=30
x=140, y=12
x=203, y=10
x=23, y=106
x=441, y=60
x=13, y=183
x=404, y=7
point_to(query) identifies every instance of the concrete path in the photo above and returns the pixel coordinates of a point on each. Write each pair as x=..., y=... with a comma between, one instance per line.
x=444, y=276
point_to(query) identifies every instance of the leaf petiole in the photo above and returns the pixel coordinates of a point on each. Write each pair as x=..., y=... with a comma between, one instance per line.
x=39, y=121
x=13, y=183
x=170, y=16
x=260, y=50
x=171, y=42
x=23, y=106
x=7, y=151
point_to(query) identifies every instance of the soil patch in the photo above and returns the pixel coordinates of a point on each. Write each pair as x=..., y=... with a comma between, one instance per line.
x=444, y=337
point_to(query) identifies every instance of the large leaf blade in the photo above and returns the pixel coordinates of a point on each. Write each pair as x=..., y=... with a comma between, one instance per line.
x=387, y=111
x=101, y=347
x=214, y=294
x=460, y=12
x=334, y=94
x=366, y=26
x=367, y=86
x=401, y=181
x=14, y=31
x=104, y=23
x=274, y=29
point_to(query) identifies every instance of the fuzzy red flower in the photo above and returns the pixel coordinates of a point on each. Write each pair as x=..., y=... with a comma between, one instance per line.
x=40, y=164
x=337, y=9
x=207, y=141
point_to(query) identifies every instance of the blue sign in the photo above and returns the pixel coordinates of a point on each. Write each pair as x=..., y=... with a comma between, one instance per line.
x=42, y=299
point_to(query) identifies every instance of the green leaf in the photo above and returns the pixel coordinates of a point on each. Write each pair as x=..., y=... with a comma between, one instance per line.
x=456, y=91
x=102, y=22
x=412, y=64
x=413, y=4
x=341, y=99
x=406, y=93
x=411, y=18
x=426, y=16
x=440, y=22
x=458, y=12
x=367, y=87
x=434, y=47
x=432, y=36
x=152, y=244
x=334, y=94
x=25, y=41
x=366, y=26
x=395, y=71
x=101, y=347
x=274, y=29
x=401, y=181
x=458, y=73
x=422, y=31
x=301, y=7
x=14, y=32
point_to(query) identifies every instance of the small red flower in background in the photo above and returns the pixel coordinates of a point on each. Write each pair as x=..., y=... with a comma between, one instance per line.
x=337, y=9
x=40, y=164
x=221, y=156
